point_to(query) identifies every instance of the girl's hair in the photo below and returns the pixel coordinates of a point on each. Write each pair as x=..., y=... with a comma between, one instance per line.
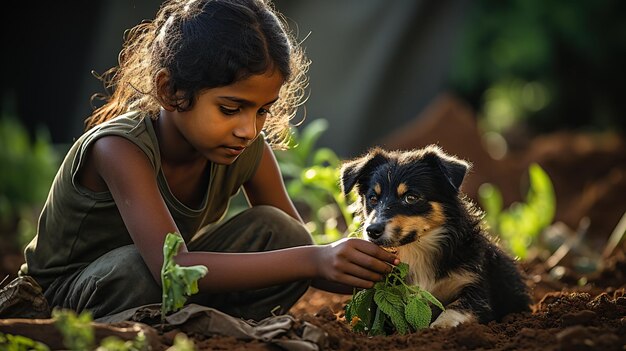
x=205, y=44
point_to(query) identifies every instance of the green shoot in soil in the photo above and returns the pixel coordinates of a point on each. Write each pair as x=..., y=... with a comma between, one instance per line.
x=78, y=334
x=178, y=282
x=76, y=329
x=10, y=342
x=521, y=223
x=391, y=305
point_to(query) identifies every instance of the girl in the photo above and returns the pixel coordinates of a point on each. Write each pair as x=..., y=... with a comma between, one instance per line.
x=180, y=135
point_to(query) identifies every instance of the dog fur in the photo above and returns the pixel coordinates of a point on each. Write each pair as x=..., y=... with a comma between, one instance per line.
x=410, y=201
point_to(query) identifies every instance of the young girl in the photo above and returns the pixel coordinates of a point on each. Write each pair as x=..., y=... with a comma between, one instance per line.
x=181, y=134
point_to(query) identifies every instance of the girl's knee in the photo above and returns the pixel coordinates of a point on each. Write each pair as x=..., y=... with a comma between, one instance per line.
x=117, y=281
x=279, y=222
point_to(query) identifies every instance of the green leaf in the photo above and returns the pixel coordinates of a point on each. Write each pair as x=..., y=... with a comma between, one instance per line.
x=178, y=282
x=359, y=311
x=417, y=313
x=393, y=306
x=402, y=270
x=391, y=299
x=491, y=201
x=520, y=224
x=77, y=332
x=541, y=198
x=182, y=343
x=10, y=342
x=430, y=298
x=309, y=137
x=378, y=326
x=326, y=156
x=113, y=343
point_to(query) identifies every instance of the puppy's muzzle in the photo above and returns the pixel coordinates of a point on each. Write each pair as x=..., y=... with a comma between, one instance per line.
x=375, y=230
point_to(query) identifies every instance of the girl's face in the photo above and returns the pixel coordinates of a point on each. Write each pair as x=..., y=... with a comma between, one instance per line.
x=225, y=120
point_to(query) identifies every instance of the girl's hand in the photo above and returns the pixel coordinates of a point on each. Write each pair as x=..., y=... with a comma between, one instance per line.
x=354, y=262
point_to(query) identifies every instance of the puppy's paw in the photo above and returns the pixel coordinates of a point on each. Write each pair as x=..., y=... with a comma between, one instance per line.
x=452, y=318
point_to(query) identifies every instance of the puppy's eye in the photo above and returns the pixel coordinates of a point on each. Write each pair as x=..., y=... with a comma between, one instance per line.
x=410, y=199
x=373, y=200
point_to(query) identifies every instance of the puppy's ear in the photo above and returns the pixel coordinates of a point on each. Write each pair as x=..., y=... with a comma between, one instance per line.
x=453, y=169
x=360, y=169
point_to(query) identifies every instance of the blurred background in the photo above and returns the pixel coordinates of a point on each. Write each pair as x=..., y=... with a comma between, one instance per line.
x=503, y=84
x=376, y=64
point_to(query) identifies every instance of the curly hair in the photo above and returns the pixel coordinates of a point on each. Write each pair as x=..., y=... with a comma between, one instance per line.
x=206, y=44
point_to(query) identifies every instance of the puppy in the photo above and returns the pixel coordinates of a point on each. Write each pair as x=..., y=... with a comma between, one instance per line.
x=410, y=202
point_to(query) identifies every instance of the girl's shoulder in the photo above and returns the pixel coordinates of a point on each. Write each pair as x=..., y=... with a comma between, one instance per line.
x=126, y=122
x=134, y=126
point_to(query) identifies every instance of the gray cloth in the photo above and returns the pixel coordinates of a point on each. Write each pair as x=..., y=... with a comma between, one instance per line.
x=120, y=280
x=279, y=330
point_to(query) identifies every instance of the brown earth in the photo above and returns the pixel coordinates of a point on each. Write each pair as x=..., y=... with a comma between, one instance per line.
x=579, y=297
x=564, y=316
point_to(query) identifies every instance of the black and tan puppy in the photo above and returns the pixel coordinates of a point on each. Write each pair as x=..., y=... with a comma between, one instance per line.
x=411, y=202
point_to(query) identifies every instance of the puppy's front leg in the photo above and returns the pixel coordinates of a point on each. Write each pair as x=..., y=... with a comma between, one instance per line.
x=469, y=307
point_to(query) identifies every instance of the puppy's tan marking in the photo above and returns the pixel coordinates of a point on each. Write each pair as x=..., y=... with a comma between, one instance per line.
x=436, y=216
x=422, y=254
x=406, y=224
x=377, y=189
x=421, y=224
x=402, y=189
x=447, y=288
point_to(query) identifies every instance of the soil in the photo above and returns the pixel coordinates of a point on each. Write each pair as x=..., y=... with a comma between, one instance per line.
x=579, y=298
x=565, y=316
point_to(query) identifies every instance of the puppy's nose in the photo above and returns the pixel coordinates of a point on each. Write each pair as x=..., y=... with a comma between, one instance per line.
x=375, y=230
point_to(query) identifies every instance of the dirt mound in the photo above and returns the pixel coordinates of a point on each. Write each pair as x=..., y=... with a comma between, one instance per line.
x=564, y=317
x=561, y=321
x=591, y=317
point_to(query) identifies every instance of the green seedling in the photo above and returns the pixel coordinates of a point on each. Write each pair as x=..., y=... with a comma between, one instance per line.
x=521, y=223
x=113, y=343
x=391, y=306
x=78, y=334
x=10, y=342
x=182, y=343
x=178, y=282
x=76, y=329
x=312, y=180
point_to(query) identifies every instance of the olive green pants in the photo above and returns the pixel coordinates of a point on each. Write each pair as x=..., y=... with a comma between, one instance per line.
x=120, y=280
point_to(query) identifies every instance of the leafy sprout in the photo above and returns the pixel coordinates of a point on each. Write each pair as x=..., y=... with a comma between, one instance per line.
x=178, y=282
x=10, y=342
x=391, y=306
x=520, y=224
x=312, y=180
x=76, y=329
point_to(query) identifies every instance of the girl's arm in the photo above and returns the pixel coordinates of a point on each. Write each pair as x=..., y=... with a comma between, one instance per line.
x=129, y=176
x=119, y=166
x=267, y=186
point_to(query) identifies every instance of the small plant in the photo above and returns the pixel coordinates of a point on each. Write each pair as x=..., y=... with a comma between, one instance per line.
x=521, y=223
x=10, y=342
x=178, y=282
x=182, y=343
x=28, y=168
x=113, y=343
x=312, y=180
x=76, y=329
x=391, y=306
x=78, y=334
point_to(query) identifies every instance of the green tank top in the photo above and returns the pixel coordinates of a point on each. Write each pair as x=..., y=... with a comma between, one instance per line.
x=77, y=225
